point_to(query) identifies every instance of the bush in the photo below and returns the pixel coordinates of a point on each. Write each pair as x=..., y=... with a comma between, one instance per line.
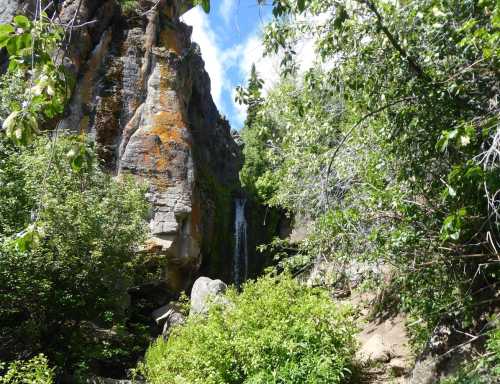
x=69, y=235
x=387, y=154
x=128, y=6
x=275, y=331
x=34, y=371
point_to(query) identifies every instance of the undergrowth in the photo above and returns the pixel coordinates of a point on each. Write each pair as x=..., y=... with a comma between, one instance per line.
x=275, y=331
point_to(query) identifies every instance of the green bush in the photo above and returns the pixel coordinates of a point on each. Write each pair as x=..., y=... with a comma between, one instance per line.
x=388, y=148
x=129, y=6
x=275, y=331
x=33, y=371
x=68, y=233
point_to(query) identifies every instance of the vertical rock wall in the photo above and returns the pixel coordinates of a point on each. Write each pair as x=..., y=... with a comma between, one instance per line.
x=142, y=93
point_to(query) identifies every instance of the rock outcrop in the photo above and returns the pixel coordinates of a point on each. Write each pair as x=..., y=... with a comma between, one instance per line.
x=144, y=97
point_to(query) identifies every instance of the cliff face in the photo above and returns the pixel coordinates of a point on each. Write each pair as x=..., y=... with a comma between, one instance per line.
x=142, y=93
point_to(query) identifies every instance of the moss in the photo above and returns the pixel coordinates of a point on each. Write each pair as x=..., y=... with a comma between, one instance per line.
x=218, y=245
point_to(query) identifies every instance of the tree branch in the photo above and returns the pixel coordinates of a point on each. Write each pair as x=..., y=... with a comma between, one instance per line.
x=351, y=130
x=414, y=66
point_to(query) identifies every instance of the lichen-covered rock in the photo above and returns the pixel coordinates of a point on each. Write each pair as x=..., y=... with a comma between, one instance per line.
x=144, y=97
x=8, y=9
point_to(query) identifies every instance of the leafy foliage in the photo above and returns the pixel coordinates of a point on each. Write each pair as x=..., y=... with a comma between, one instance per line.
x=33, y=371
x=35, y=86
x=129, y=6
x=68, y=244
x=389, y=144
x=205, y=4
x=275, y=331
x=484, y=369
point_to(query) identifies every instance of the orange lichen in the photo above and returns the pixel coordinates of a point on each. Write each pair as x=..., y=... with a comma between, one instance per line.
x=169, y=130
x=170, y=40
x=168, y=127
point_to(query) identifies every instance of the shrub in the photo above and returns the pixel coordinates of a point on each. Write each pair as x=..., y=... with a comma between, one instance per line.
x=69, y=234
x=129, y=6
x=33, y=371
x=275, y=331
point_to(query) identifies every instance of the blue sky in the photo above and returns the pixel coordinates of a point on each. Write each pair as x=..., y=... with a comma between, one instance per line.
x=230, y=41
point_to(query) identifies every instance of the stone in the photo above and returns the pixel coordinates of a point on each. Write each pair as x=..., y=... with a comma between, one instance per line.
x=374, y=350
x=398, y=366
x=8, y=9
x=174, y=319
x=447, y=348
x=167, y=317
x=206, y=291
x=426, y=371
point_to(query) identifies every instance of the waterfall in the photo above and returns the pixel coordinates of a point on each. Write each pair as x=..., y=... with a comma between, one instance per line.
x=240, y=256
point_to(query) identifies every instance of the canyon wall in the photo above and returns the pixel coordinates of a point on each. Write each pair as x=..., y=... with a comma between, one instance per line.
x=144, y=97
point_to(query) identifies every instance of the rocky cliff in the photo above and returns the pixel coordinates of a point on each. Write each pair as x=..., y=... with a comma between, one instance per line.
x=143, y=95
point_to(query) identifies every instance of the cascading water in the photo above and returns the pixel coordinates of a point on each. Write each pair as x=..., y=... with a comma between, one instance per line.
x=240, y=256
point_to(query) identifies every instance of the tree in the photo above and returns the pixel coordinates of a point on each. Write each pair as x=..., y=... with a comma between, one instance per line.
x=410, y=171
x=69, y=238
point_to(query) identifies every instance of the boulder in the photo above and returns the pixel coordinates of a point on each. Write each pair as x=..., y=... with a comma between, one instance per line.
x=447, y=348
x=206, y=291
x=167, y=317
x=175, y=319
x=375, y=350
x=398, y=366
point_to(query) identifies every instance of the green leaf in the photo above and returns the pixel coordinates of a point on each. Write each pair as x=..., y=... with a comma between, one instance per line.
x=22, y=21
x=342, y=16
x=205, y=4
x=4, y=39
x=6, y=29
x=301, y=5
x=23, y=41
x=451, y=191
x=442, y=143
x=11, y=46
x=474, y=172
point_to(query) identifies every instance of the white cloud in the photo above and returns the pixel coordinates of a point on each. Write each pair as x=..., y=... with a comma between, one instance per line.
x=268, y=67
x=226, y=10
x=220, y=61
x=204, y=35
x=241, y=110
